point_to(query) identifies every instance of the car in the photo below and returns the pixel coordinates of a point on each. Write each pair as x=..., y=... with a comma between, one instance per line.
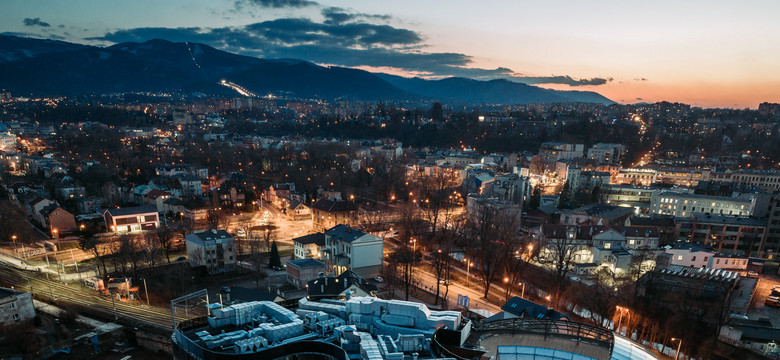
x=181, y=258
x=225, y=290
x=276, y=268
x=445, y=282
x=773, y=301
x=379, y=279
x=752, y=274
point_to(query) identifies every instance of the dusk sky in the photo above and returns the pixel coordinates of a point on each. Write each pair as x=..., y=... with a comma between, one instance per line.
x=706, y=53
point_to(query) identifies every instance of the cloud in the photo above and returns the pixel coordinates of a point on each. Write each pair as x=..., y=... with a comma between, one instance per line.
x=562, y=79
x=342, y=41
x=337, y=15
x=35, y=22
x=277, y=3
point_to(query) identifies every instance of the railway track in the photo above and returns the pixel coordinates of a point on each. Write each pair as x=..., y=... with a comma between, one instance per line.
x=133, y=313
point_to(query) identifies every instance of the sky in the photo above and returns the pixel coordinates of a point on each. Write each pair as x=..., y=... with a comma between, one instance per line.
x=706, y=53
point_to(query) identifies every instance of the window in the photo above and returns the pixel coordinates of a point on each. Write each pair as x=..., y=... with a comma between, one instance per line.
x=693, y=258
x=13, y=305
x=16, y=317
x=679, y=257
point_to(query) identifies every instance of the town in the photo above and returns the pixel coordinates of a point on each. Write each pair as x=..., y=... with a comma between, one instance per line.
x=257, y=225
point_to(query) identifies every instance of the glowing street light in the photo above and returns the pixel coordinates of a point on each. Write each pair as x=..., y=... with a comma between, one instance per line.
x=677, y=355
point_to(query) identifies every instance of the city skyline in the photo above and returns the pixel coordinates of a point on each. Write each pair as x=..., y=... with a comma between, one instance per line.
x=713, y=54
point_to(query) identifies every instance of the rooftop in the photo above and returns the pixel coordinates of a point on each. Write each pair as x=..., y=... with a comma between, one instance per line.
x=132, y=210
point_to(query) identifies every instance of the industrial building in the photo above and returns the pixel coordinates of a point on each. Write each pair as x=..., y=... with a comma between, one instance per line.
x=374, y=329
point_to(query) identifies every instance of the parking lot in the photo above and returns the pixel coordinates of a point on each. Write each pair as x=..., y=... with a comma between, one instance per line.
x=758, y=309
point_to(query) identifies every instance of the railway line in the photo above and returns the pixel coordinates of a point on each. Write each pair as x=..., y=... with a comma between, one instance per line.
x=51, y=291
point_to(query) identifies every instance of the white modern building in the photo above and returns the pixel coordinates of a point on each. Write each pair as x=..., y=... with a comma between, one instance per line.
x=347, y=248
x=131, y=219
x=685, y=205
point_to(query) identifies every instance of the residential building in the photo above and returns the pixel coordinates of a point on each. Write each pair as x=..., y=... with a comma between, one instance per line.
x=637, y=197
x=7, y=141
x=297, y=211
x=213, y=249
x=663, y=224
x=58, y=220
x=762, y=179
x=635, y=176
x=308, y=246
x=593, y=247
x=301, y=271
x=685, y=205
x=596, y=214
x=131, y=219
x=15, y=307
x=554, y=151
x=347, y=248
x=328, y=213
x=728, y=234
x=690, y=255
x=773, y=228
x=606, y=153
x=586, y=180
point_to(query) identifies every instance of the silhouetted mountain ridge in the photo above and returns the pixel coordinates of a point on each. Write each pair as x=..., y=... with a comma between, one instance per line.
x=54, y=68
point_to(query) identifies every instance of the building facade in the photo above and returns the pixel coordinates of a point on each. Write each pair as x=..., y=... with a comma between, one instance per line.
x=347, y=248
x=214, y=249
x=131, y=219
x=15, y=307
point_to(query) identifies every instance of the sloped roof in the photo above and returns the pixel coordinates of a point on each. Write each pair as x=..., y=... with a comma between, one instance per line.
x=334, y=205
x=317, y=238
x=344, y=233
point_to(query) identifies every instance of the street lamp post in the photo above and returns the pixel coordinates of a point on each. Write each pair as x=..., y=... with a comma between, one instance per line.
x=469, y=264
x=677, y=355
x=506, y=288
x=522, y=292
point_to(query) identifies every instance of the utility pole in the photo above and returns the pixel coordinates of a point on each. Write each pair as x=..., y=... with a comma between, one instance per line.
x=113, y=303
x=146, y=292
x=51, y=293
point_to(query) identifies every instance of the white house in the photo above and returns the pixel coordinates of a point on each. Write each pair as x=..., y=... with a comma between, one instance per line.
x=347, y=248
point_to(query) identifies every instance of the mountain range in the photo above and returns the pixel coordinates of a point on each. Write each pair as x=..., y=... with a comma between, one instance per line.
x=37, y=67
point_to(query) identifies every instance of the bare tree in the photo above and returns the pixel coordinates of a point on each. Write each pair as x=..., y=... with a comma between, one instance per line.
x=560, y=251
x=164, y=236
x=436, y=191
x=197, y=256
x=489, y=233
x=92, y=244
x=151, y=247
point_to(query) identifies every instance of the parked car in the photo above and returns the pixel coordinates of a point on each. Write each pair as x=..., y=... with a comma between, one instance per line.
x=752, y=274
x=772, y=301
x=379, y=279
x=445, y=282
